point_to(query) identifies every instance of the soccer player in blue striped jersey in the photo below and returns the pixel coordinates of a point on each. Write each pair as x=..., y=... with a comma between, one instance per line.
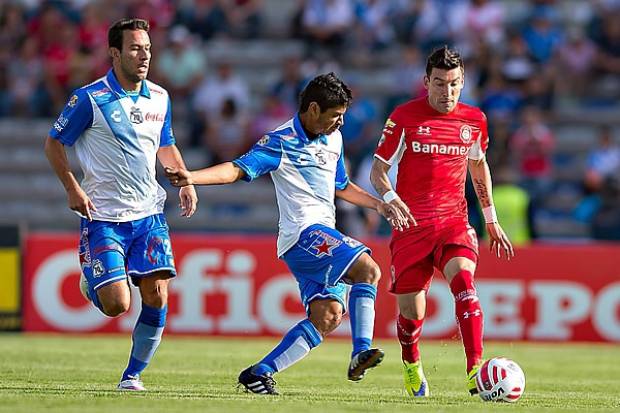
x=306, y=162
x=119, y=125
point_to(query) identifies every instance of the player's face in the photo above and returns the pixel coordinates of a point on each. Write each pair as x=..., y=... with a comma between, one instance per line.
x=136, y=55
x=327, y=122
x=444, y=88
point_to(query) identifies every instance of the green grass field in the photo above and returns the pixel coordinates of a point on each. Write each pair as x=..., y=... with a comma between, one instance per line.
x=56, y=373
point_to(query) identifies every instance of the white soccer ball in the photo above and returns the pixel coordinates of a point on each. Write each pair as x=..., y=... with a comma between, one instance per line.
x=500, y=380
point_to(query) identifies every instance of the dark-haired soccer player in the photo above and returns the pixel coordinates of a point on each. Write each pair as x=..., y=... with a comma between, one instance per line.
x=306, y=162
x=120, y=124
x=435, y=140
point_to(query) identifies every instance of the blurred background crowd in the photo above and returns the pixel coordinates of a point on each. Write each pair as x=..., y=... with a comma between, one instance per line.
x=546, y=73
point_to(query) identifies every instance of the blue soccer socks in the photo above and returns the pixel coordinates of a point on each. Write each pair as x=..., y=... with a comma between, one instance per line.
x=362, y=315
x=146, y=338
x=295, y=345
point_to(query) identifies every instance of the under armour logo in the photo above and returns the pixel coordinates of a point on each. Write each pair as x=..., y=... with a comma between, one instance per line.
x=475, y=313
x=424, y=130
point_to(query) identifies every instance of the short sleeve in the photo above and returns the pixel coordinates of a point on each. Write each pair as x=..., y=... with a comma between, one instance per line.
x=167, y=136
x=342, y=179
x=264, y=157
x=76, y=117
x=392, y=142
x=479, y=148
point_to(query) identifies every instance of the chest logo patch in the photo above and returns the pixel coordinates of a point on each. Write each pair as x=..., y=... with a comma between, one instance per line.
x=135, y=115
x=466, y=133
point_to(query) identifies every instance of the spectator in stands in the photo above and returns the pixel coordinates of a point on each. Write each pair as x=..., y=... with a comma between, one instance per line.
x=326, y=23
x=375, y=29
x=606, y=223
x=484, y=23
x=574, y=62
x=406, y=73
x=532, y=145
x=290, y=83
x=438, y=22
x=203, y=17
x=273, y=113
x=608, y=43
x=212, y=92
x=227, y=132
x=513, y=206
x=542, y=35
x=27, y=96
x=243, y=18
x=603, y=164
x=360, y=129
x=181, y=66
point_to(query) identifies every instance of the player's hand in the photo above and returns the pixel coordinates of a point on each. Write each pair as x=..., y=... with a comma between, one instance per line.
x=80, y=202
x=499, y=241
x=188, y=200
x=178, y=177
x=401, y=215
x=393, y=215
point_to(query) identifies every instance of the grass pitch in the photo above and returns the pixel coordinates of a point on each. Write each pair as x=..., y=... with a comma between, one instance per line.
x=56, y=373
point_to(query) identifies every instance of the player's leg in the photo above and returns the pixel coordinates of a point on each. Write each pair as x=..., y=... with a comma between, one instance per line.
x=149, y=327
x=324, y=316
x=411, y=283
x=364, y=276
x=151, y=265
x=459, y=264
x=102, y=260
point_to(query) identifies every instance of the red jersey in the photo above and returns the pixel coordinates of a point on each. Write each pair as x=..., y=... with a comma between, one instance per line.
x=431, y=150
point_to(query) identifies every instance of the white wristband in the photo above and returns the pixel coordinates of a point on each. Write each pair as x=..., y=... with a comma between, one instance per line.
x=389, y=196
x=490, y=216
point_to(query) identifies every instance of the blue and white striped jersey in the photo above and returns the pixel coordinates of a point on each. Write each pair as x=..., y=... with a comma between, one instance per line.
x=116, y=137
x=305, y=173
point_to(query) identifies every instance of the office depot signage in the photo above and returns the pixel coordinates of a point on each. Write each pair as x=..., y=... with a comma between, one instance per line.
x=235, y=285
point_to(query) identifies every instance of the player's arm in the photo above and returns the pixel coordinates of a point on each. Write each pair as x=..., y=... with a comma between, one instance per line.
x=76, y=117
x=354, y=194
x=381, y=182
x=481, y=178
x=223, y=173
x=170, y=157
x=77, y=198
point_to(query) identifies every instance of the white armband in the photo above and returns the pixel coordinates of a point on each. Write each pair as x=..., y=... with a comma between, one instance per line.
x=389, y=196
x=490, y=215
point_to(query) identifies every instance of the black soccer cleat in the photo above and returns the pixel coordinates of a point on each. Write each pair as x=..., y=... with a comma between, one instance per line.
x=363, y=361
x=263, y=384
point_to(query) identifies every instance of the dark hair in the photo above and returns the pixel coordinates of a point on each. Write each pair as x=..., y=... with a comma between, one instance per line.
x=443, y=58
x=115, y=33
x=327, y=91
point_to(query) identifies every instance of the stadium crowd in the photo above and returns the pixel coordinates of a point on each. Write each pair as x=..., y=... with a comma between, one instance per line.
x=528, y=62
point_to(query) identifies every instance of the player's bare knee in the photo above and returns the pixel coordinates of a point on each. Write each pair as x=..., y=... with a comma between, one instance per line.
x=154, y=292
x=327, y=318
x=115, y=307
x=374, y=273
x=412, y=313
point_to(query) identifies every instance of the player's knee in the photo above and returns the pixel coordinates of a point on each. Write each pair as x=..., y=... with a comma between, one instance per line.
x=327, y=321
x=412, y=313
x=371, y=274
x=155, y=294
x=116, y=306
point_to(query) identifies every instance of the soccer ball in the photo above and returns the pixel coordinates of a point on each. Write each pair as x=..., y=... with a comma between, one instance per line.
x=500, y=380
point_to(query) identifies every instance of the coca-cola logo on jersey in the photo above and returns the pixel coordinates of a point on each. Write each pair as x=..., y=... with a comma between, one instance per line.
x=154, y=117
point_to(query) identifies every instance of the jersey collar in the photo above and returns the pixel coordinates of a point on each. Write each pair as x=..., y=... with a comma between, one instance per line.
x=302, y=133
x=118, y=89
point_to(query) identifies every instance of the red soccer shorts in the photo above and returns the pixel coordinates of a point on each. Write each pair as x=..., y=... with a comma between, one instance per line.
x=418, y=251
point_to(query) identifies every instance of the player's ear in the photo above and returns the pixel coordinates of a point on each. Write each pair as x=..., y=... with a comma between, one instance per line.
x=427, y=82
x=315, y=109
x=114, y=52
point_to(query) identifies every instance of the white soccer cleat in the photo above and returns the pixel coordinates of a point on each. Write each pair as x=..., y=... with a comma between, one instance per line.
x=131, y=385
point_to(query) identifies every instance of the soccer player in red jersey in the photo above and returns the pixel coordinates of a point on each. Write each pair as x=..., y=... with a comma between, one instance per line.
x=435, y=140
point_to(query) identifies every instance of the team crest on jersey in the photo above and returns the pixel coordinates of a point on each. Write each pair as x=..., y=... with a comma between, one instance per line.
x=466, y=133
x=73, y=101
x=98, y=268
x=263, y=141
x=323, y=244
x=351, y=242
x=135, y=115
